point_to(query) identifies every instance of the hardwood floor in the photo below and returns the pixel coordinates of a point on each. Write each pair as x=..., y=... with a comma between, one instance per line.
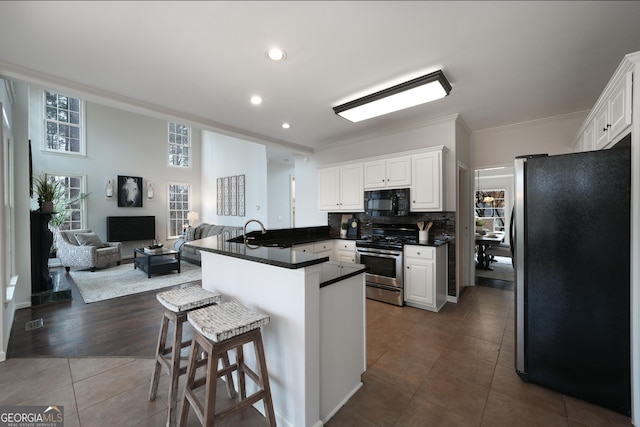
x=124, y=327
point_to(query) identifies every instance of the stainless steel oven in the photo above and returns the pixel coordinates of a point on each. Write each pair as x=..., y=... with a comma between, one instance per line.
x=384, y=276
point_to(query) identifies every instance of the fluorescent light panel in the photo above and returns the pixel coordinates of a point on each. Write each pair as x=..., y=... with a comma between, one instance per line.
x=408, y=94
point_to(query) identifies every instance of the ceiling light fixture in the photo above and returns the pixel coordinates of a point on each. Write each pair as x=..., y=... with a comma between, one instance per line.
x=276, y=54
x=404, y=95
x=286, y=126
x=256, y=100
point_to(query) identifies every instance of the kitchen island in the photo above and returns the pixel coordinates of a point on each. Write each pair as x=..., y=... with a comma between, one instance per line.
x=315, y=343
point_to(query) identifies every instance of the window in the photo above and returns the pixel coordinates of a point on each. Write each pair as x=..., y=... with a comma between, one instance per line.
x=70, y=208
x=179, y=144
x=63, y=124
x=179, y=202
x=490, y=204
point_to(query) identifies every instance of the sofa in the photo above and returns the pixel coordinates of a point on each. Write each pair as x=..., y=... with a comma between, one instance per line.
x=201, y=231
x=83, y=249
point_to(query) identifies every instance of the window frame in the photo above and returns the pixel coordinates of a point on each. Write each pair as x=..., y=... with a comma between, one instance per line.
x=181, y=219
x=171, y=144
x=81, y=126
x=499, y=204
x=82, y=202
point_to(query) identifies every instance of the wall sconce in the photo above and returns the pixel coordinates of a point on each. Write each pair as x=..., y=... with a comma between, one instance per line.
x=192, y=217
x=414, y=92
x=149, y=191
x=108, y=190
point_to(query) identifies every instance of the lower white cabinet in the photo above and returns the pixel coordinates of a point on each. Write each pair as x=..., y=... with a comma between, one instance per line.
x=425, y=278
x=324, y=248
x=345, y=250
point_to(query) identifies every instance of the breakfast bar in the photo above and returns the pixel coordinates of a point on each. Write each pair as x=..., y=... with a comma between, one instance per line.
x=315, y=342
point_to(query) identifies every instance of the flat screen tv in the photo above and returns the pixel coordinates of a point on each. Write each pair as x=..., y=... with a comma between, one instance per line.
x=129, y=228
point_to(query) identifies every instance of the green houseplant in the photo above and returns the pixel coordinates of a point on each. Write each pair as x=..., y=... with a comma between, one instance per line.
x=48, y=192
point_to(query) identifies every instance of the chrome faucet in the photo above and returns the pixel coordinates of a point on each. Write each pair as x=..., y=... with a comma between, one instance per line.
x=244, y=229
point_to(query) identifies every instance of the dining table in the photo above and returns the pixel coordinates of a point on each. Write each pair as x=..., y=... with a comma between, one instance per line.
x=483, y=241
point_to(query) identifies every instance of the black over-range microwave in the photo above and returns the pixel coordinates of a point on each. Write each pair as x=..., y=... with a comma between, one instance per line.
x=387, y=202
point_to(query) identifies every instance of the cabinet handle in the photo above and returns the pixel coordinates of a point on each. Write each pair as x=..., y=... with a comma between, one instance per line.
x=419, y=253
x=407, y=267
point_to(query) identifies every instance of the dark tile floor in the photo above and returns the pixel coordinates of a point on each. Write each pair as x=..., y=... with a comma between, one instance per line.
x=453, y=368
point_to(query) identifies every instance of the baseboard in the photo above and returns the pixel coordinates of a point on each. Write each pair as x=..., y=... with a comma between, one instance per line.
x=20, y=305
x=453, y=299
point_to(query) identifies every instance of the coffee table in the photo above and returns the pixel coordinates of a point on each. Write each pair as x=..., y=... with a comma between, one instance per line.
x=163, y=262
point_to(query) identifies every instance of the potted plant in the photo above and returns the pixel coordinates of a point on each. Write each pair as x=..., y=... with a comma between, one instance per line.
x=479, y=224
x=48, y=192
x=343, y=229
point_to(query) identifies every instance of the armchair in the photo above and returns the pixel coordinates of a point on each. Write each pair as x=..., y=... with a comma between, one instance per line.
x=84, y=249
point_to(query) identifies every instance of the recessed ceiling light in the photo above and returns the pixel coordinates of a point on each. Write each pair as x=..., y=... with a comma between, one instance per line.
x=276, y=54
x=286, y=126
x=256, y=100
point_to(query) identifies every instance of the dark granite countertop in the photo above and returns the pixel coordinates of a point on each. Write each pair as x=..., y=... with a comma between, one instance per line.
x=283, y=257
x=334, y=271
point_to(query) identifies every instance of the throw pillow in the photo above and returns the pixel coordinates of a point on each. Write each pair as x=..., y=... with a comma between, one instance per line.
x=89, y=239
x=191, y=233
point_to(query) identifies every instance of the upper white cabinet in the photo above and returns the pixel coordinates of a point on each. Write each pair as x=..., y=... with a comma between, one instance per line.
x=427, y=179
x=387, y=173
x=341, y=188
x=611, y=115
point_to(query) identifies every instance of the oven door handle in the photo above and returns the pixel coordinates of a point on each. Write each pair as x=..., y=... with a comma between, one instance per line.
x=379, y=254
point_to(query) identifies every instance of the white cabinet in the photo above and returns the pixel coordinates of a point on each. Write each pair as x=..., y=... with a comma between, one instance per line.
x=324, y=248
x=303, y=248
x=345, y=250
x=427, y=181
x=425, y=279
x=387, y=173
x=614, y=114
x=341, y=189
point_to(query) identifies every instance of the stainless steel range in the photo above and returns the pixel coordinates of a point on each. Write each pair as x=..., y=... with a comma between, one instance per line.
x=382, y=253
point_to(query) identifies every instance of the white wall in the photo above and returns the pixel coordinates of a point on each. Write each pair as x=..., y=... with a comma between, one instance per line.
x=278, y=194
x=500, y=146
x=226, y=156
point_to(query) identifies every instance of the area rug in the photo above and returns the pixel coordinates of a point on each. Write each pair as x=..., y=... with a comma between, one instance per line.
x=124, y=280
x=502, y=270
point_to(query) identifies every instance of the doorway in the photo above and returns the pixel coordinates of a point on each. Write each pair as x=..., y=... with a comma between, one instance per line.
x=492, y=204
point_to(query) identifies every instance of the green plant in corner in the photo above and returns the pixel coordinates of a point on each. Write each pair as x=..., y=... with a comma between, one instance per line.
x=479, y=222
x=46, y=189
x=344, y=226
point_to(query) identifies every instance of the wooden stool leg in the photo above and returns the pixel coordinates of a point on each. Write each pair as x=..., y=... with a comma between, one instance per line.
x=242, y=383
x=157, y=370
x=212, y=387
x=231, y=392
x=191, y=374
x=264, y=380
x=175, y=368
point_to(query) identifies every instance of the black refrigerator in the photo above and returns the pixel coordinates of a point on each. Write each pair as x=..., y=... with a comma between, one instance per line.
x=572, y=284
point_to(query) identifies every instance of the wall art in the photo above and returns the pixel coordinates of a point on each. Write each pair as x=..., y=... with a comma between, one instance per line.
x=219, y=196
x=129, y=191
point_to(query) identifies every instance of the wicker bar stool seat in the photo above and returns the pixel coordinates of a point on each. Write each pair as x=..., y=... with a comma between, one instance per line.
x=177, y=303
x=218, y=329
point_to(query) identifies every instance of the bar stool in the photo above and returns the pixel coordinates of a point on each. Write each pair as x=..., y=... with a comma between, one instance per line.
x=177, y=304
x=218, y=329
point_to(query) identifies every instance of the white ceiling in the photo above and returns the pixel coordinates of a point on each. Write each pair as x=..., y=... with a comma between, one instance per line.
x=508, y=62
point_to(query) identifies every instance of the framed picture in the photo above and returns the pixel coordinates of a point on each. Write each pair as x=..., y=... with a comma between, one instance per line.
x=240, y=195
x=129, y=191
x=219, y=196
x=233, y=192
x=225, y=190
